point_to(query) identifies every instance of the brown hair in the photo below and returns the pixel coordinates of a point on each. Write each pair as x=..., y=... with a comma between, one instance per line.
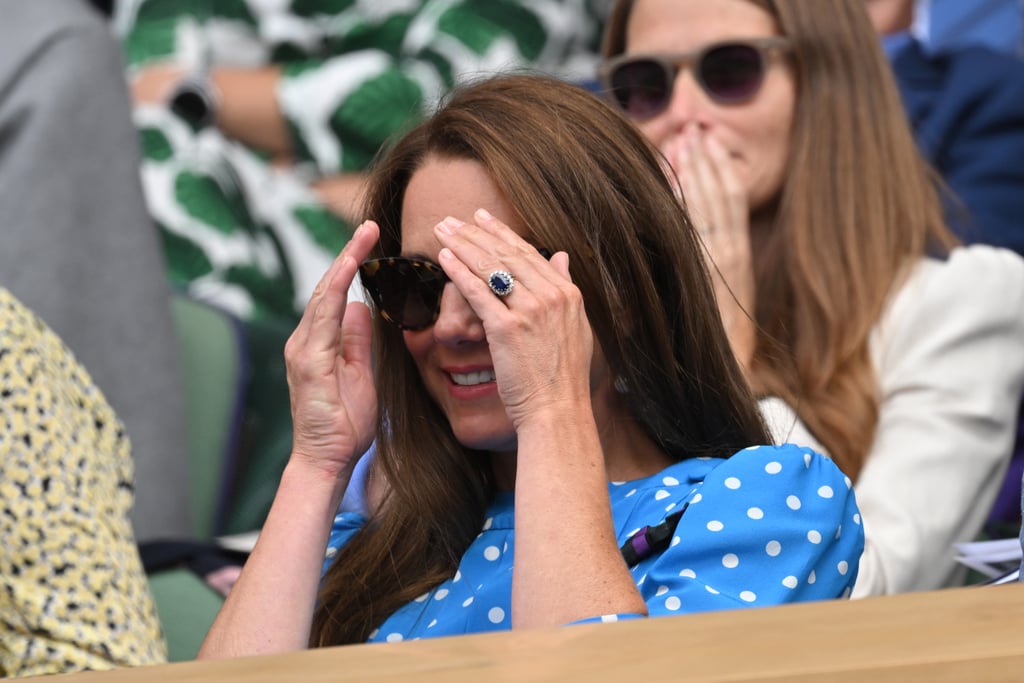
x=857, y=209
x=586, y=182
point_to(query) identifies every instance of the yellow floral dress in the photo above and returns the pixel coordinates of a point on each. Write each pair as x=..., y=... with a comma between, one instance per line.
x=73, y=594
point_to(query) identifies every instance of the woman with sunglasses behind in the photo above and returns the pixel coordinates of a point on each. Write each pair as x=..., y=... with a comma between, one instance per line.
x=844, y=295
x=506, y=389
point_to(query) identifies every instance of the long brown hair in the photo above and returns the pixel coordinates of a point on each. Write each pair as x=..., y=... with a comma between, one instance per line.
x=586, y=182
x=857, y=209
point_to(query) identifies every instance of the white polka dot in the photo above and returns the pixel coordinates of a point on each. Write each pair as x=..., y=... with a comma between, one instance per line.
x=394, y=637
x=609, y=618
x=468, y=601
x=496, y=615
x=711, y=590
x=826, y=492
x=670, y=481
x=458, y=577
x=441, y=594
x=617, y=483
x=422, y=597
x=491, y=553
x=642, y=579
x=790, y=582
x=730, y=561
x=673, y=603
x=812, y=577
x=668, y=508
x=661, y=591
x=696, y=499
x=662, y=495
x=748, y=596
x=432, y=624
x=675, y=541
x=331, y=552
x=814, y=536
x=632, y=491
x=732, y=483
x=807, y=460
x=856, y=519
x=373, y=634
x=843, y=567
x=847, y=591
x=504, y=548
x=688, y=574
x=633, y=532
x=773, y=548
x=839, y=531
x=793, y=503
x=755, y=513
x=715, y=525
x=849, y=484
x=773, y=467
x=488, y=522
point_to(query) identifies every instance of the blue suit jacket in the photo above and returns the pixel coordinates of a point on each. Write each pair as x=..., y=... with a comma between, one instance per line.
x=967, y=111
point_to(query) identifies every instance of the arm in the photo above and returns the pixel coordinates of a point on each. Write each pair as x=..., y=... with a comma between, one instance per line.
x=950, y=359
x=567, y=563
x=334, y=412
x=768, y=526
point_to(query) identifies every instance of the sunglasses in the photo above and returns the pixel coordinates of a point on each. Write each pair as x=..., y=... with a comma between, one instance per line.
x=407, y=291
x=730, y=73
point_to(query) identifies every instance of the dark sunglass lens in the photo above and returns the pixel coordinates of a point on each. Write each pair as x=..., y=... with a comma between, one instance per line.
x=732, y=73
x=641, y=87
x=406, y=292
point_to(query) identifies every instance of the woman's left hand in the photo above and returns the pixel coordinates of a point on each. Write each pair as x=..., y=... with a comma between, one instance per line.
x=539, y=336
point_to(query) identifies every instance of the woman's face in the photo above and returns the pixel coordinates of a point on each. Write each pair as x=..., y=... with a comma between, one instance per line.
x=453, y=356
x=755, y=133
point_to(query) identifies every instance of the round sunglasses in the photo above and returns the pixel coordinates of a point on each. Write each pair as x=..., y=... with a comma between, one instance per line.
x=407, y=291
x=729, y=72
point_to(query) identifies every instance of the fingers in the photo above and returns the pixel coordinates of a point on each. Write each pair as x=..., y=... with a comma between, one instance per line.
x=474, y=251
x=324, y=313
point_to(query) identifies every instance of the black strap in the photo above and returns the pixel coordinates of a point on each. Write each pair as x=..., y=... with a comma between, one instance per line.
x=651, y=539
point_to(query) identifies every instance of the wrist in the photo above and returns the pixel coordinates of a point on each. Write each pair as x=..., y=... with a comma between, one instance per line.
x=195, y=99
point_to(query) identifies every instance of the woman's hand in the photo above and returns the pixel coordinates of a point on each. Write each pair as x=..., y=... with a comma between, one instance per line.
x=539, y=336
x=717, y=204
x=330, y=375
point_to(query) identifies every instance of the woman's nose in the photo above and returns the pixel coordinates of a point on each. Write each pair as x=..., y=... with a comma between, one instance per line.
x=457, y=322
x=688, y=103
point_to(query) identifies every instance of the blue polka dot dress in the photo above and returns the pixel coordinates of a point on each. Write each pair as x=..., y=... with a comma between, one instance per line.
x=770, y=525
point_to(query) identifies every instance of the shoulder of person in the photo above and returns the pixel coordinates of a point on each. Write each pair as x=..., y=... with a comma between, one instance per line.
x=976, y=275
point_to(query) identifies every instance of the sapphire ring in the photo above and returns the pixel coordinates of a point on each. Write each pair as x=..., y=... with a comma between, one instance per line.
x=501, y=282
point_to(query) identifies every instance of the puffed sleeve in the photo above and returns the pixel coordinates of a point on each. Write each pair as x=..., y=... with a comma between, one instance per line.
x=771, y=525
x=345, y=526
x=950, y=358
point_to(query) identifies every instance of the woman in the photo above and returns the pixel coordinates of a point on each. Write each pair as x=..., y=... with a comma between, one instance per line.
x=506, y=392
x=900, y=353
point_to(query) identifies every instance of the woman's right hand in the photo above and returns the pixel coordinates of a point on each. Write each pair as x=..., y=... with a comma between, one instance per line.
x=717, y=204
x=330, y=373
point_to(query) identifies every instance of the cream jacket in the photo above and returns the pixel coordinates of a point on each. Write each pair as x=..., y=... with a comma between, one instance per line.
x=949, y=355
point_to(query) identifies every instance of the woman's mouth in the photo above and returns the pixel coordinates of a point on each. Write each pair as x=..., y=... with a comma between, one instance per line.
x=470, y=379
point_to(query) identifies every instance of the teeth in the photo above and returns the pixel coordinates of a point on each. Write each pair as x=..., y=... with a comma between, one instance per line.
x=472, y=378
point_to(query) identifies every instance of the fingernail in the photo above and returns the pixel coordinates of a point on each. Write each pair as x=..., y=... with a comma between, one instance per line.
x=445, y=254
x=449, y=224
x=484, y=215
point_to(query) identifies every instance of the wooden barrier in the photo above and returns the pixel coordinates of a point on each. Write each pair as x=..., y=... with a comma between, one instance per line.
x=965, y=634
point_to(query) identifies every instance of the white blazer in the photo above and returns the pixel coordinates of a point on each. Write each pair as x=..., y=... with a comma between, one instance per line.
x=949, y=356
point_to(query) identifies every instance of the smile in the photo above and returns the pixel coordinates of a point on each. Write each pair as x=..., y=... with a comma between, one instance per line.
x=469, y=379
